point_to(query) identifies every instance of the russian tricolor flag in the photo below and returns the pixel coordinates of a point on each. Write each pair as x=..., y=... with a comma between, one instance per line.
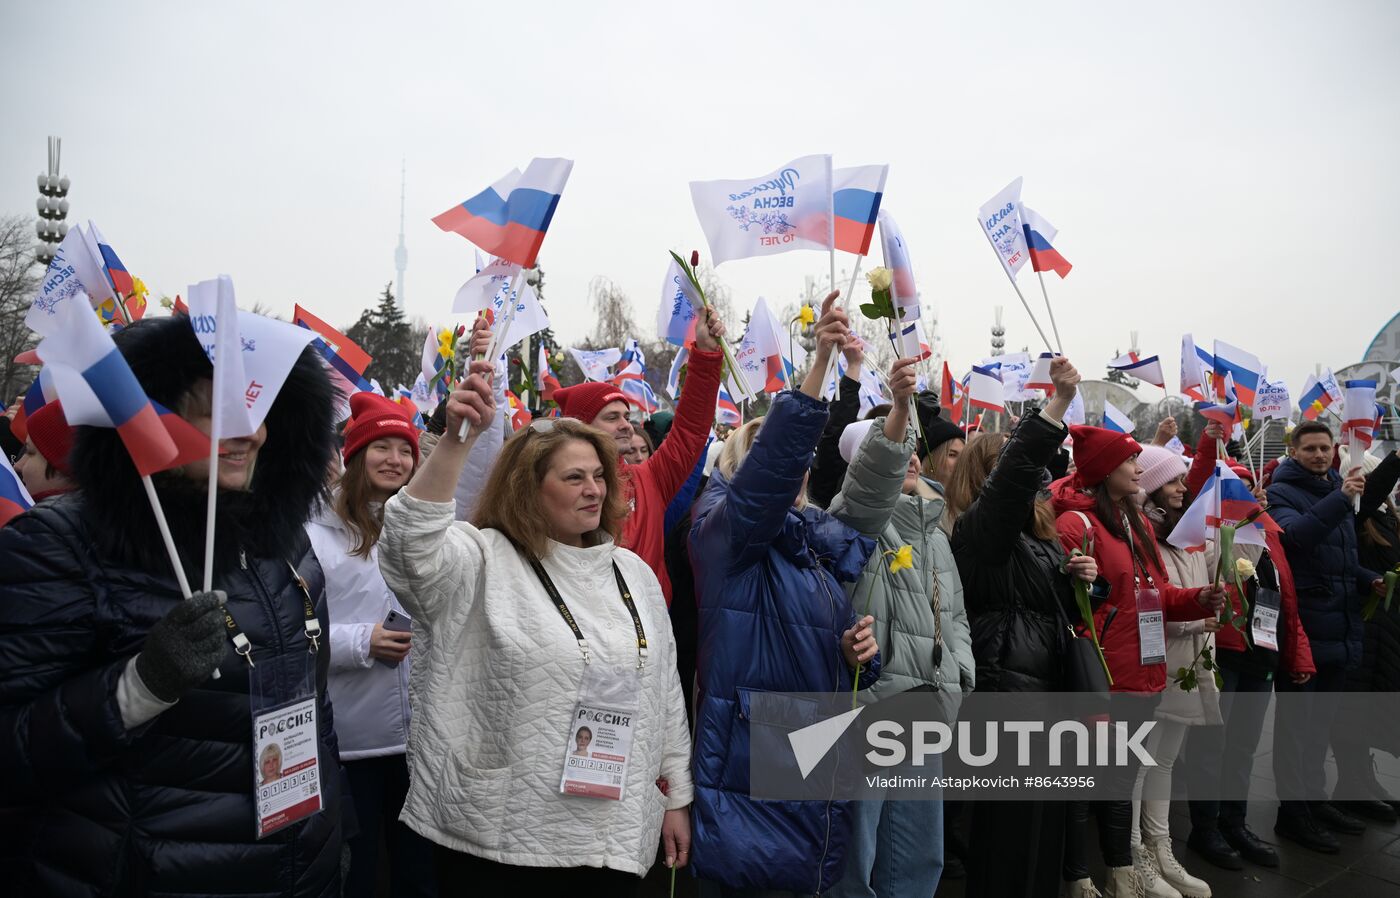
x=855, y=199
x=1116, y=420
x=1224, y=499
x=112, y=265
x=896, y=253
x=97, y=388
x=1039, y=233
x=1243, y=367
x=14, y=498
x=509, y=219
x=344, y=356
x=726, y=410
x=39, y=394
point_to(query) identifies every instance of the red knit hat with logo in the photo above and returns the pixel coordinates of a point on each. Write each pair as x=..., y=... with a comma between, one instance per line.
x=584, y=401
x=1098, y=451
x=52, y=436
x=372, y=417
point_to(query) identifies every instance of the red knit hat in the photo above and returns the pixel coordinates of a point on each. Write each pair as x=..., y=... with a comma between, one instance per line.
x=584, y=401
x=1242, y=472
x=52, y=436
x=1098, y=451
x=372, y=417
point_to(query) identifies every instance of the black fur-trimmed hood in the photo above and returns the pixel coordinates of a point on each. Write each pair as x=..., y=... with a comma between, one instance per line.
x=265, y=521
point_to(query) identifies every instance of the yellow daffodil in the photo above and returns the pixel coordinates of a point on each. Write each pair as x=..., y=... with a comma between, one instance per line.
x=806, y=316
x=138, y=288
x=445, y=341
x=879, y=278
x=1244, y=567
x=903, y=559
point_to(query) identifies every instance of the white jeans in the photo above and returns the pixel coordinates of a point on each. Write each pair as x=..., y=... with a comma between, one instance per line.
x=1150, y=815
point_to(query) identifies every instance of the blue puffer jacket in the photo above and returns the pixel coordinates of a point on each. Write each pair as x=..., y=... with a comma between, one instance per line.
x=772, y=611
x=1320, y=537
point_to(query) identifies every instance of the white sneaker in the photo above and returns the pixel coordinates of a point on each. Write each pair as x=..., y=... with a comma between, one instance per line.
x=1173, y=873
x=1150, y=884
x=1080, y=888
x=1123, y=882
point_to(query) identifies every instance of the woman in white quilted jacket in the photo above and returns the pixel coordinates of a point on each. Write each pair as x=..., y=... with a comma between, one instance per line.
x=529, y=624
x=370, y=648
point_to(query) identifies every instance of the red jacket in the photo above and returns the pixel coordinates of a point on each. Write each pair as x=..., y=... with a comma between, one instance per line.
x=1121, y=646
x=1295, y=653
x=655, y=482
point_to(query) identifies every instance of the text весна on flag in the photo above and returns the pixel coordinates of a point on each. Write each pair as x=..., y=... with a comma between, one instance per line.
x=786, y=209
x=76, y=268
x=1000, y=219
x=510, y=218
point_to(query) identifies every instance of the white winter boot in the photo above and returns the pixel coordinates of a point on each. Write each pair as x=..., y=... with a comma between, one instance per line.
x=1123, y=882
x=1170, y=869
x=1080, y=888
x=1150, y=884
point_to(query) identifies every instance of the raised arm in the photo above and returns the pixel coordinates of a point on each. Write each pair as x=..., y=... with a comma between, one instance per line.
x=989, y=527
x=829, y=468
x=1380, y=484
x=425, y=560
x=675, y=458
x=875, y=477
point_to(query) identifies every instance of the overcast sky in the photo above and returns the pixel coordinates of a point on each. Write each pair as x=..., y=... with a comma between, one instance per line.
x=1223, y=169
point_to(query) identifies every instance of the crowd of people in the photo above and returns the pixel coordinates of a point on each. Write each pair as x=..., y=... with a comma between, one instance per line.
x=529, y=660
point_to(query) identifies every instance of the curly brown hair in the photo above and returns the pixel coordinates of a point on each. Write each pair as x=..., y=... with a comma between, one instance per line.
x=510, y=501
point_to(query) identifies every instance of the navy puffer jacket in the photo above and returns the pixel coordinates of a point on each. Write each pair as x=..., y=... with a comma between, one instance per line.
x=1319, y=535
x=166, y=808
x=772, y=611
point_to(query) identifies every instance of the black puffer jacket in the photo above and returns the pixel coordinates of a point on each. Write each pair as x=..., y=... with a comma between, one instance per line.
x=1012, y=581
x=166, y=808
x=1380, y=656
x=1319, y=535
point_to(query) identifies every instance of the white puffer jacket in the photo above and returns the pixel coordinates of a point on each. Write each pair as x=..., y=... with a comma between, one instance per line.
x=495, y=683
x=370, y=699
x=1200, y=706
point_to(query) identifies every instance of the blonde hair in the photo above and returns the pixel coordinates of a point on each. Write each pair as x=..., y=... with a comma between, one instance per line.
x=737, y=448
x=510, y=502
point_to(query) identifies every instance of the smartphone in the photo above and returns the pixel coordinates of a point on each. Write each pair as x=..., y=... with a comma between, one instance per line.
x=399, y=623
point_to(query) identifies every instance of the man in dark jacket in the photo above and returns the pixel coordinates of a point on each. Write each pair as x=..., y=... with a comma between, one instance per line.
x=137, y=768
x=1314, y=506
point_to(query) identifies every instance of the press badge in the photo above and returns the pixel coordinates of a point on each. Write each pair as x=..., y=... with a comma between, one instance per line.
x=599, y=741
x=1152, y=630
x=1263, y=623
x=286, y=750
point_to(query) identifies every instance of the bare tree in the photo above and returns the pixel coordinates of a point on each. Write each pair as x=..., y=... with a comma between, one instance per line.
x=615, y=325
x=19, y=278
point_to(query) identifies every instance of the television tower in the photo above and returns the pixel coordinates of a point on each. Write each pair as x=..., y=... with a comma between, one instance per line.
x=52, y=206
x=401, y=253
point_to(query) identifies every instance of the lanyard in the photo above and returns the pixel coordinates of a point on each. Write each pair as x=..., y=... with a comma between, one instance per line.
x=244, y=647
x=1137, y=563
x=568, y=616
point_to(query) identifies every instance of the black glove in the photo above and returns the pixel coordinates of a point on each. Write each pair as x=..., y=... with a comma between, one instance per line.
x=185, y=647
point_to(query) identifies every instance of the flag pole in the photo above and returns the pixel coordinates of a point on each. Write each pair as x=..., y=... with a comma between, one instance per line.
x=497, y=335
x=164, y=527
x=1012, y=278
x=846, y=300
x=1059, y=346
